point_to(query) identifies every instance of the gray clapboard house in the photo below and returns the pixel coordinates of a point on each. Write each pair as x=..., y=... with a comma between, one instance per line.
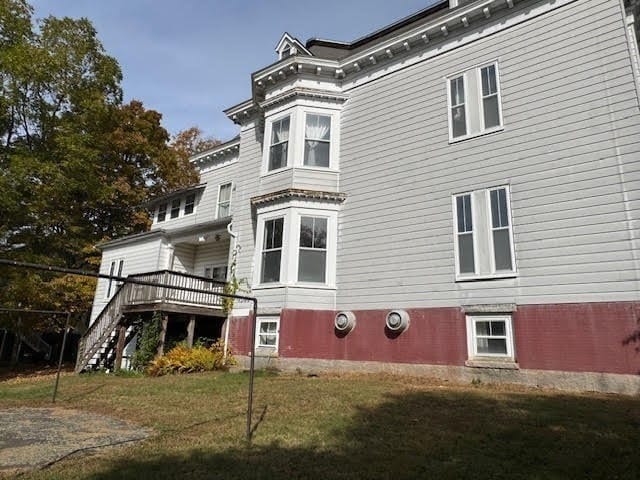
x=456, y=194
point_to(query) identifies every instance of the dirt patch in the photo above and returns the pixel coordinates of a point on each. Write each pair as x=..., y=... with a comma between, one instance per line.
x=35, y=437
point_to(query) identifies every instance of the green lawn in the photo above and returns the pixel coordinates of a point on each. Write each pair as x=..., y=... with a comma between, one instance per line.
x=349, y=426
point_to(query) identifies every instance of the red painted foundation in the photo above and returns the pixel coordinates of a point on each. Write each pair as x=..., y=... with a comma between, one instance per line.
x=587, y=337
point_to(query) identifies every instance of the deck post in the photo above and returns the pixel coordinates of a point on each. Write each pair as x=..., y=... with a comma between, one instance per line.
x=122, y=334
x=163, y=333
x=191, y=328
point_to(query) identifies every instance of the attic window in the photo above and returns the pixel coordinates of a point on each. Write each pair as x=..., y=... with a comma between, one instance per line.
x=287, y=51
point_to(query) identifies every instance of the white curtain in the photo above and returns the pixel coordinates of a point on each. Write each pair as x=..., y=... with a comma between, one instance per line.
x=316, y=133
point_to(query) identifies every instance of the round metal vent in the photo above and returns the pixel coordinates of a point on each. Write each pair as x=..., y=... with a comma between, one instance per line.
x=397, y=321
x=345, y=322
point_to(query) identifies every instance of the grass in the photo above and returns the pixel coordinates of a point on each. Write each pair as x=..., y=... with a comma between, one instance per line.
x=348, y=426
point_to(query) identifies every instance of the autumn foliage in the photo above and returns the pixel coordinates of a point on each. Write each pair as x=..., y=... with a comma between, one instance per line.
x=182, y=359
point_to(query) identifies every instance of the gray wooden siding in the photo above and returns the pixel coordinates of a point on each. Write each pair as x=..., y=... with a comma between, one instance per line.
x=310, y=179
x=144, y=256
x=183, y=258
x=569, y=150
x=247, y=186
x=216, y=253
x=206, y=199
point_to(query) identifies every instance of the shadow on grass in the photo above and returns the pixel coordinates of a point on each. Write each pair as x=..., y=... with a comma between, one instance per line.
x=435, y=434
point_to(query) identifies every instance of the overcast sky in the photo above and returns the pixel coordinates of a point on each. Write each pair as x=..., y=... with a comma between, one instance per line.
x=190, y=59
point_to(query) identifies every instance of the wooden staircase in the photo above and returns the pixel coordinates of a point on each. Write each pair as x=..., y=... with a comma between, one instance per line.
x=97, y=346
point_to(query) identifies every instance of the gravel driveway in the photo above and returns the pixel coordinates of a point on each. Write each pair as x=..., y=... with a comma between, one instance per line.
x=34, y=437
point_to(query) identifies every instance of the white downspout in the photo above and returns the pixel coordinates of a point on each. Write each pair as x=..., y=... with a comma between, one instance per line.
x=232, y=274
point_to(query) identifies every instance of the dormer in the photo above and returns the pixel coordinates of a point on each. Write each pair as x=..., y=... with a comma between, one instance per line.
x=289, y=46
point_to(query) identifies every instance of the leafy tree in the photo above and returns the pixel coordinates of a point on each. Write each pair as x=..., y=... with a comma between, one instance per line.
x=76, y=164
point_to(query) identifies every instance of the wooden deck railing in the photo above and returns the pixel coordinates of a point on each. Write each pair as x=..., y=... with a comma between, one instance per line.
x=133, y=294
x=146, y=294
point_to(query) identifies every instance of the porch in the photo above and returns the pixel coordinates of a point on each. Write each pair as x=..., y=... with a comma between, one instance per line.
x=120, y=320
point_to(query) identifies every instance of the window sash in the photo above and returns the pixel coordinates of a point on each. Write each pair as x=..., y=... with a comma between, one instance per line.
x=457, y=107
x=162, y=212
x=271, y=255
x=501, y=231
x=224, y=200
x=317, y=140
x=278, y=148
x=268, y=334
x=175, y=208
x=490, y=97
x=189, y=204
x=312, y=249
x=465, y=235
x=483, y=343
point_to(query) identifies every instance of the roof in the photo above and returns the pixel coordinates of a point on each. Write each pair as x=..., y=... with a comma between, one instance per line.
x=161, y=232
x=336, y=49
x=173, y=193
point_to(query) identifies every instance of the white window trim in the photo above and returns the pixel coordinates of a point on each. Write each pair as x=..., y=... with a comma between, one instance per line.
x=257, y=277
x=218, y=197
x=493, y=274
x=471, y=337
x=116, y=267
x=291, y=245
x=157, y=213
x=180, y=208
x=275, y=320
x=267, y=141
x=474, y=236
x=450, y=107
x=184, y=204
x=490, y=229
x=477, y=103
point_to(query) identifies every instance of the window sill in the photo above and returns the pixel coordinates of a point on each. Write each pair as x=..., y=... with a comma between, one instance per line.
x=496, y=363
x=268, y=286
x=274, y=172
x=493, y=276
x=316, y=286
x=475, y=135
x=318, y=169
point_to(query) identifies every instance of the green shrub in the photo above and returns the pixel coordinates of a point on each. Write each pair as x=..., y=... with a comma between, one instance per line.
x=182, y=359
x=148, y=341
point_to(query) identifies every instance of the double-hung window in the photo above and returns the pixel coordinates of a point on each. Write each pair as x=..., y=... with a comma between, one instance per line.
x=317, y=140
x=483, y=234
x=224, y=200
x=279, y=146
x=162, y=212
x=474, y=102
x=458, y=110
x=189, y=204
x=464, y=234
x=312, y=257
x=490, y=336
x=175, y=208
x=272, y=250
x=114, y=269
